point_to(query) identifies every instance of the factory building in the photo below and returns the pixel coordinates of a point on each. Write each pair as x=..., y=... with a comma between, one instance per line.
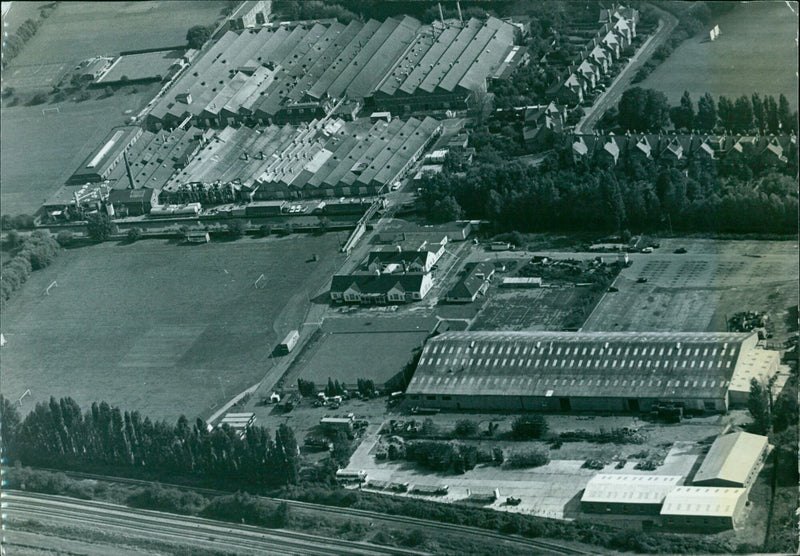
x=326, y=158
x=627, y=494
x=584, y=371
x=703, y=509
x=283, y=74
x=102, y=161
x=733, y=461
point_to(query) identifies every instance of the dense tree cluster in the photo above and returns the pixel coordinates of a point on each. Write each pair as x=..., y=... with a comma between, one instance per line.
x=306, y=387
x=526, y=427
x=198, y=35
x=442, y=456
x=643, y=110
x=99, y=226
x=638, y=194
x=312, y=9
x=35, y=252
x=58, y=435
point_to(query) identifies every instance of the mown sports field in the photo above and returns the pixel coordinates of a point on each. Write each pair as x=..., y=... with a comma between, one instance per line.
x=755, y=53
x=162, y=328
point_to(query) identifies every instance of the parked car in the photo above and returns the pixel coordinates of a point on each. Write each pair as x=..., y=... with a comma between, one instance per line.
x=647, y=250
x=513, y=501
x=680, y=250
x=642, y=280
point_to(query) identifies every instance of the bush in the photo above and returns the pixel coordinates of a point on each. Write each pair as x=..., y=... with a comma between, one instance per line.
x=197, y=36
x=235, y=228
x=528, y=458
x=526, y=427
x=466, y=428
x=99, y=226
x=38, y=98
x=134, y=234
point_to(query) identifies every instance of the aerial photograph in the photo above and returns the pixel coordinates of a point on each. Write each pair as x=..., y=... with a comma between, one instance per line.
x=399, y=277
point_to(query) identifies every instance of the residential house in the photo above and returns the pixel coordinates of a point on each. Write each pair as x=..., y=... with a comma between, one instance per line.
x=380, y=289
x=475, y=282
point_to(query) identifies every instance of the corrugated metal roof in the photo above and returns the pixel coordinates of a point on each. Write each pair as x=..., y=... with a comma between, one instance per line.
x=702, y=501
x=731, y=458
x=629, y=489
x=651, y=364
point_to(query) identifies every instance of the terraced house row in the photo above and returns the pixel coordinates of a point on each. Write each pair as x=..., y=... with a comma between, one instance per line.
x=282, y=75
x=674, y=148
x=594, y=60
x=326, y=158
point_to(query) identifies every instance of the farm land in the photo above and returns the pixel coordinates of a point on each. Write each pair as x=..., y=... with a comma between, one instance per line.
x=161, y=328
x=756, y=52
x=42, y=149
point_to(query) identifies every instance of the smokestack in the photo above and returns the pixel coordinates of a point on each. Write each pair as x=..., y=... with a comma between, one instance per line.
x=458, y=5
x=441, y=15
x=128, y=169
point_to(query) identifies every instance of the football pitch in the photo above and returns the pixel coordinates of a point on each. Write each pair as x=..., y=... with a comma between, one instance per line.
x=755, y=53
x=161, y=328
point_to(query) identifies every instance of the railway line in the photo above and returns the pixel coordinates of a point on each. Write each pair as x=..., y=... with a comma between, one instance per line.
x=522, y=544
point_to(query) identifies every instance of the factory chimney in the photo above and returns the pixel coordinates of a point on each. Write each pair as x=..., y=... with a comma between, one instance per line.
x=128, y=170
x=441, y=15
x=460, y=18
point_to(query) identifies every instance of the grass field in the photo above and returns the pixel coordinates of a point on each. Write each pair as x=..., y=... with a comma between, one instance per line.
x=40, y=151
x=80, y=30
x=165, y=329
x=756, y=52
x=698, y=290
x=355, y=347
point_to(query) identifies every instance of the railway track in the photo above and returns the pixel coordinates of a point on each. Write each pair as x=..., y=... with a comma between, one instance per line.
x=182, y=529
x=525, y=545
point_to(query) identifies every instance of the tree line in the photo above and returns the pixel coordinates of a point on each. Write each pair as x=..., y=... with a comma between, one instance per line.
x=647, y=110
x=638, y=194
x=58, y=435
x=12, y=44
x=33, y=253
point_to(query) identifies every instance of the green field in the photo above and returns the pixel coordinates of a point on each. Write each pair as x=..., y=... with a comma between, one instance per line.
x=349, y=348
x=80, y=30
x=166, y=329
x=756, y=52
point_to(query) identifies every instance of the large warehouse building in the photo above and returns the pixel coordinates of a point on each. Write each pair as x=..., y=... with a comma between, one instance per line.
x=584, y=371
x=291, y=75
x=327, y=158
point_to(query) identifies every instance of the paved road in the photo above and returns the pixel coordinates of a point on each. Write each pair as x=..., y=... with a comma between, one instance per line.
x=181, y=530
x=610, y=97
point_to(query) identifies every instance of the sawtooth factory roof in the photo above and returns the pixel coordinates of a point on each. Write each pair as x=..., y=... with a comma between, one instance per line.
x=593, y=364
x=264, y=70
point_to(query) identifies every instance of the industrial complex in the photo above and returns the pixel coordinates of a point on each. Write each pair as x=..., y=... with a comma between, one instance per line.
x=598, y=371
x=292, y=74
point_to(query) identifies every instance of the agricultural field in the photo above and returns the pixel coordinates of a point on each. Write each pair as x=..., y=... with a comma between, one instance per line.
x=756, y=52
x=43, y=145
x=162, y=328
x=698, y=290
x=350, y=348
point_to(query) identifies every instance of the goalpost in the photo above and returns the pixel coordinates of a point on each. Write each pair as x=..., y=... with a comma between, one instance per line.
x=260, y=283
x=53, y=284
x=55, y=109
